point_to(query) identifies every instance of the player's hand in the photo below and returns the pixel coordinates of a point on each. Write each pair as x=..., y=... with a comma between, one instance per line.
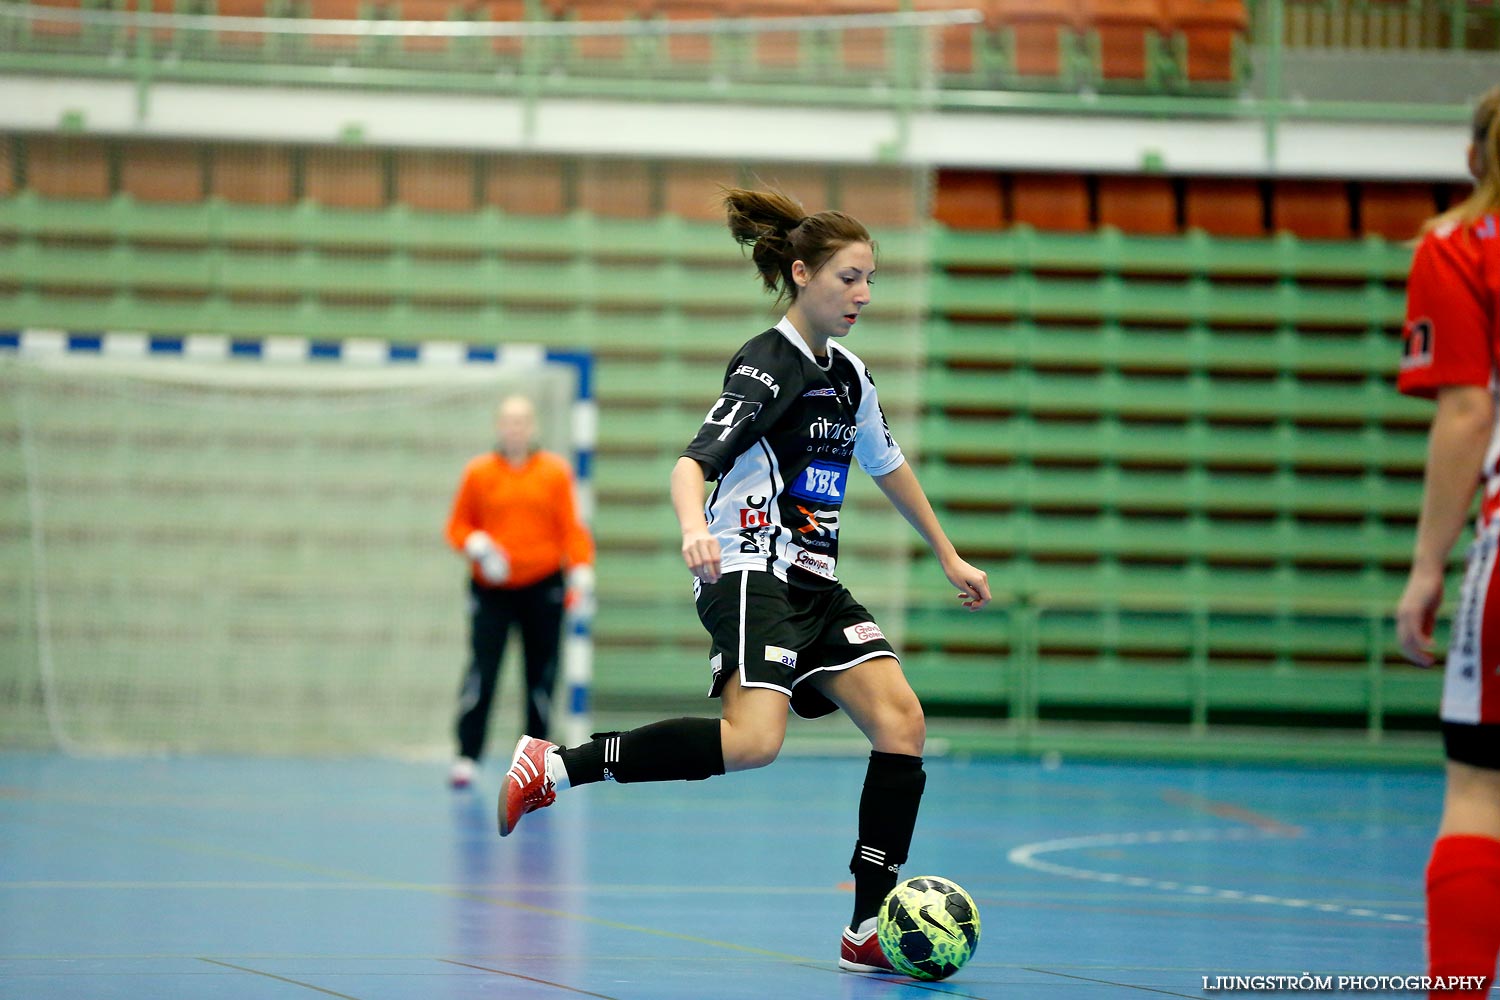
x=494, y=567
x=1416, y=615
x=701, y=552
x=973, y=583
x=580, y=591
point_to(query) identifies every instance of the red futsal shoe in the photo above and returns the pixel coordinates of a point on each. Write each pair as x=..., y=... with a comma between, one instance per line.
x=526, y=785
x=860, y=952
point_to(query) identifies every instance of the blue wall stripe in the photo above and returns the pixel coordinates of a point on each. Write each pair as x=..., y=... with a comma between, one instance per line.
x=167, y=345
x=91, y=342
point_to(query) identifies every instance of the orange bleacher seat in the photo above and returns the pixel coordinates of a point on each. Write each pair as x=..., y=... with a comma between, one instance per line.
x=7, y=165
x=425, y=10
x=809, y=185
x=252, y=175
x=619, y=189
x=345, y=178
x=866, y=48
x=165, y=37
x=58, y=30
x=1312, y=210
x=601, y=47
x=435, y=182
x=67, y=167
x=505, y=11
x=1395, y=211
x=1059, y=202
x=1125, y=30
x=879, y=196
x=526, y=185
x=969, y=199
x=694, y=48
x=1041, y=30
x=1208, y=29
x=774, y=49
x=1140, y=205
x=955, y=46
x=241, y=8
x=1225, y=206
x=337, y=10
x=162, y=172
x=692, y=190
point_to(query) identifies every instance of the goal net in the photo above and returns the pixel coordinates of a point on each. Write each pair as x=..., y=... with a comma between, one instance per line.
x=214, y=545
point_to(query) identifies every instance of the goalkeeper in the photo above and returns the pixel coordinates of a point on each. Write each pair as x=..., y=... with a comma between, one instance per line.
x=515, y=521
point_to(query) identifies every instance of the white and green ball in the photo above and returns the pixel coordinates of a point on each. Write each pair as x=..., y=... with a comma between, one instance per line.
x=928, y=927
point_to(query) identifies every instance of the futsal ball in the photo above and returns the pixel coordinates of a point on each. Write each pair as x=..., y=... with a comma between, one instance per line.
x=928, y=927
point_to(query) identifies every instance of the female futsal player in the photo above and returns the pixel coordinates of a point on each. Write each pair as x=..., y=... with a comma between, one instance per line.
x=795, y=410
x=1452, y=336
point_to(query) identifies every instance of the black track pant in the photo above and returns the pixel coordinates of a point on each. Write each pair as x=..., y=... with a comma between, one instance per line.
x=538, y=610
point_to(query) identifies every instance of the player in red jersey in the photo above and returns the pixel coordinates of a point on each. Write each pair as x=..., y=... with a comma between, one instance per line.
x=1452, y=339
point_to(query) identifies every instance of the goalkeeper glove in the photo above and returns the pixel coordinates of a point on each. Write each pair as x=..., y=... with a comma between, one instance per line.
x=494, y=568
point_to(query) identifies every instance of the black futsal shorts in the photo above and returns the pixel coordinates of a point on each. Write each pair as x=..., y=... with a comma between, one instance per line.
x=775, y=635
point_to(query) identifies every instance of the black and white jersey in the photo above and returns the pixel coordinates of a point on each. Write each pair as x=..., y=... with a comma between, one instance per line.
x=779, y=441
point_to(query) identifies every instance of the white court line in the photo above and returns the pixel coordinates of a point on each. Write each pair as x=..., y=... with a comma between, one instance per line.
x=1026, y=856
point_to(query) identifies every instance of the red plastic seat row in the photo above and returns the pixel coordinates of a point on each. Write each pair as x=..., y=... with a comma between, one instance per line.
x=1229, y=206
x=1042, y=31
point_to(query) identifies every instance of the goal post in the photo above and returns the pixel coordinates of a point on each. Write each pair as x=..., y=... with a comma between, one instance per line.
x=220, y=544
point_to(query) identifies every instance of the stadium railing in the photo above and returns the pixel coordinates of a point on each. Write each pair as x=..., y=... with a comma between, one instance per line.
x=670, y=47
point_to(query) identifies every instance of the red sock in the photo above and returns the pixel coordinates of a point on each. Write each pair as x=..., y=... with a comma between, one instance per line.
x=1463, y=911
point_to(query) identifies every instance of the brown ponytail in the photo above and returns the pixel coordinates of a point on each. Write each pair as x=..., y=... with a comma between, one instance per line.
x=1485, y=198
x=779, y=233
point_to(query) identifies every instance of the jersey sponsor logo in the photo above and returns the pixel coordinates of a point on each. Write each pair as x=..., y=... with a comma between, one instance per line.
x=832, y=430
x=729, y=412
x=863, y=632
x=764, y=378
x=814, y=563
x=821, y=481
x=1416, y=347
x=754, y=542
x=829, y=391
x=786, y=657
x=820, y=523
x=754, y=520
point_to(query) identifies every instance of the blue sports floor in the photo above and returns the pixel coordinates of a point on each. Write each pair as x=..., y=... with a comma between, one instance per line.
x=238, y=879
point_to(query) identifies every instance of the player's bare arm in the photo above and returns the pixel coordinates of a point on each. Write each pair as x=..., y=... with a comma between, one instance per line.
x=1460, y=432
x=905, y=493
x=700, y=549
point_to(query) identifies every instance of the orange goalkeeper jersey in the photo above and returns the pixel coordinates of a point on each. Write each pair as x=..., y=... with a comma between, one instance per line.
x=528, y=511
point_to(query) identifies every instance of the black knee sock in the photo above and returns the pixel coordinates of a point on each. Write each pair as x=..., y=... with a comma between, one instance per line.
x=887, y=816
x=675, y=750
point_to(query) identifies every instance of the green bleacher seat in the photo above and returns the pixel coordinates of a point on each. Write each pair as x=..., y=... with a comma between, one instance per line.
x=1205, y=426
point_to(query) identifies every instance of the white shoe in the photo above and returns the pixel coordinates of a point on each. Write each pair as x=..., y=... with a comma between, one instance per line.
x=461, y=774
